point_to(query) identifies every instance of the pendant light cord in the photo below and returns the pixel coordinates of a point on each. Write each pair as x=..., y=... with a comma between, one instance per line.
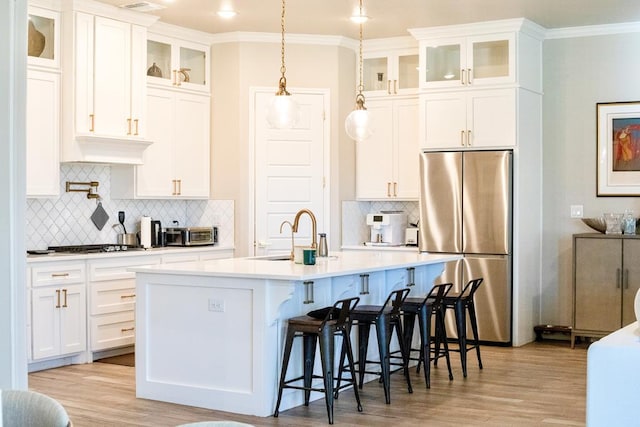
x=360, y=86
x=360, y=95
x=283, y=80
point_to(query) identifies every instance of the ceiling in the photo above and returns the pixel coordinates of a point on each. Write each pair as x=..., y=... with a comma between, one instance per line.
x=387, y=18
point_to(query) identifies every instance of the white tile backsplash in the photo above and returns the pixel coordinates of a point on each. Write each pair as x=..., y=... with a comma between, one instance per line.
x=66, y=220
x=355, y=230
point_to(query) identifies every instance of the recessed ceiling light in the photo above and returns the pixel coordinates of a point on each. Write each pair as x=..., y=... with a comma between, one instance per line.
x=226, y=14
x=359, y=19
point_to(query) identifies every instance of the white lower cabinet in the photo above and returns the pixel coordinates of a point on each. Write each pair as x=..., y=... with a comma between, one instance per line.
x=88, y=306
x=112, y=297
x=59, y=307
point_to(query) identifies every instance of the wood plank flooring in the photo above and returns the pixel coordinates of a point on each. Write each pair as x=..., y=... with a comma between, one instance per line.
x=534, y=385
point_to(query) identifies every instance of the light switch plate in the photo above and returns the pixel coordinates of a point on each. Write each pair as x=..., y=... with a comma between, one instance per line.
x=576, y=211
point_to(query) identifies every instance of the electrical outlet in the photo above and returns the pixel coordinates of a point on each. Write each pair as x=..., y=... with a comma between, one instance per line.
x=576, y=211
x=216, y=305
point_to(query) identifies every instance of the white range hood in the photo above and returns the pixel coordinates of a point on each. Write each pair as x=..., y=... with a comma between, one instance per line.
x=108, y=149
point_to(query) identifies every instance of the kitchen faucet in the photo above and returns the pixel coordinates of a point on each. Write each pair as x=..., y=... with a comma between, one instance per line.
x=294, y=227
x=290, y=225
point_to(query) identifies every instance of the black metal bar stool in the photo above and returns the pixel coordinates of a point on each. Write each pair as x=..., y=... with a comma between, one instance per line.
x=425, y=308
x=336, y=322
x=461, y=304
x=385, y=318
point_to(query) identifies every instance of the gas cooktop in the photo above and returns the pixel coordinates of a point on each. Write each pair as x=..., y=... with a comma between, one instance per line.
x=94, y=248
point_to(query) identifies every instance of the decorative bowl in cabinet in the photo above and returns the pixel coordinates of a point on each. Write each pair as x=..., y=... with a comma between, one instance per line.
x=598, y=224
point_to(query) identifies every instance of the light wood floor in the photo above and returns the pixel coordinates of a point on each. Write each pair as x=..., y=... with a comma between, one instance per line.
x=538, y=384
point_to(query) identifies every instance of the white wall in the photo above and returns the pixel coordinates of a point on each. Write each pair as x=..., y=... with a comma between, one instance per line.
x=255, y=64
x=578, y=73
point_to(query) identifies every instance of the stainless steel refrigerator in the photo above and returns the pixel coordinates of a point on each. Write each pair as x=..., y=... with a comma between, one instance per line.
x=466, y=208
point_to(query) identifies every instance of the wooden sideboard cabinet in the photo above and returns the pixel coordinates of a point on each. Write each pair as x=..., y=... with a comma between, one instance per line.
x=606, y=277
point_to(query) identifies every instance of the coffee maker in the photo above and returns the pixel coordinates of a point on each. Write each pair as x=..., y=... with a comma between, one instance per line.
x=387, y=228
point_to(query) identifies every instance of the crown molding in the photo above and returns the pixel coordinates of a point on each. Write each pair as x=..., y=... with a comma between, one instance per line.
x=170, y=30
x=592, y=30
x=401, y=42
x=308, y=39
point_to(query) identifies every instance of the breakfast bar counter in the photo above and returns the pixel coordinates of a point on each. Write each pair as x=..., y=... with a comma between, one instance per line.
x=210, y=333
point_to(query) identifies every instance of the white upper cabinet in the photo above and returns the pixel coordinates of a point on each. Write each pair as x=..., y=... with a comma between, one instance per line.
x=104, y=87
x=387, y=162
x=470, y=61
x=393, y=72
x=176, y=166
x=177, y=63
x=469, y=119
x=506, y=52
x=43, y=103
x=43, y=49
x=43, y=133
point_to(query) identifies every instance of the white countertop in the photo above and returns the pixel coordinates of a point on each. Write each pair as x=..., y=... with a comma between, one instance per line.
x=363, y=247
x=337, y=264
x=61, y=256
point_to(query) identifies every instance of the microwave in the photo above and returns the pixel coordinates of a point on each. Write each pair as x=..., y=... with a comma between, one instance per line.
x=192, y=236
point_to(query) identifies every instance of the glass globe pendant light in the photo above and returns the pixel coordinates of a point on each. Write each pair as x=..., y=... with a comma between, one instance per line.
x=358, y=122
x=283, y=111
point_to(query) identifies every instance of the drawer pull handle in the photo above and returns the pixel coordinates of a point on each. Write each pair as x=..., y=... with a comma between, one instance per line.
x=127, y=329
x=364, y=284
x=59, y=274
x=308, y=292
x=127, y=296
x=411, y=276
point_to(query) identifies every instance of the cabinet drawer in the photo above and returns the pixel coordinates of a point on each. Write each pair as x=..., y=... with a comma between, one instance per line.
x=57, y=274
x=113, y=330
x=114, y=269
x=113, y=296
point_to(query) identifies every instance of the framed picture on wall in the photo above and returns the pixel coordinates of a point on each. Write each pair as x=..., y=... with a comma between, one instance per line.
x=618, y=158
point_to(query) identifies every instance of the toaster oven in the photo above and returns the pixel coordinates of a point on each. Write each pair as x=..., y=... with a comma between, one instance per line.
x=192, y=236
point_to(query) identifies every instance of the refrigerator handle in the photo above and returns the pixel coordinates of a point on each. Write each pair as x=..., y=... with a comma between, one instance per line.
x=617, y=278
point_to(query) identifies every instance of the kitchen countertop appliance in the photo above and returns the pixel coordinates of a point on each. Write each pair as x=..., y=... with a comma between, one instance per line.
x=191, y=236
x=387, y=228
x=466, y=208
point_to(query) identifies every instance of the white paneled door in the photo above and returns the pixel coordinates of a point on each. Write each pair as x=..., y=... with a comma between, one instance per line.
x=290, y=174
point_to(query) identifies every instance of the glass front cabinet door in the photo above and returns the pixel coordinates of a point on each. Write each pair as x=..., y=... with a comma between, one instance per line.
x=391, y=73
x=470, y=61
x=177, y=63
x=43, y=48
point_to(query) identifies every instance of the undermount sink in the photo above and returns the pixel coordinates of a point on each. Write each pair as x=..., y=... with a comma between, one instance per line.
x=273, y=258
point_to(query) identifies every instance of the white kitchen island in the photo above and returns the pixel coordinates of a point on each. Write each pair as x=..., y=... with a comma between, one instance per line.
x=210, y=333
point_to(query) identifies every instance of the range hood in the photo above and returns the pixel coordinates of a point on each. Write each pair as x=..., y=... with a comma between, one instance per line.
x=89, y=148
